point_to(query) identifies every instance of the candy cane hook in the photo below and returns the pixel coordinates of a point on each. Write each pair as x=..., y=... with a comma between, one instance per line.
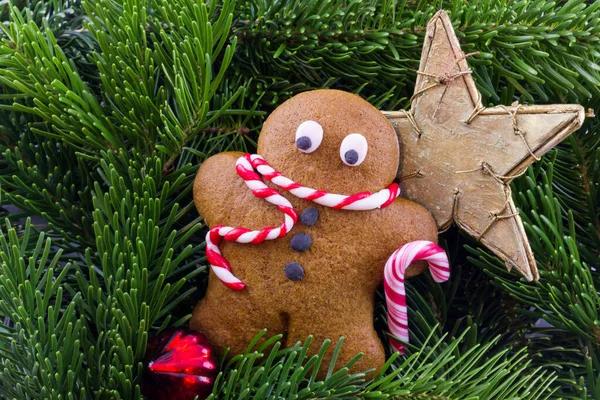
x=393, y=283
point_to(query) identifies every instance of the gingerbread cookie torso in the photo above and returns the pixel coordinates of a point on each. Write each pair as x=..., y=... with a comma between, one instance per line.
x=320, y=278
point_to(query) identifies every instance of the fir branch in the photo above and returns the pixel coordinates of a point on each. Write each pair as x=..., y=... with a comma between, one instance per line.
x=105, y=146
x=136, y=274
x=40, y=339
x=155, y=96
x=565, y=296
x=577, y=180
x=45, y=178
x=34, y=65
x=161, y=91
x=535, y=47
x=436, y=371
x=64, y=18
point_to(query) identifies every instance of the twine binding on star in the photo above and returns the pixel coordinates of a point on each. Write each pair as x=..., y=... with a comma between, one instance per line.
x=503, y=180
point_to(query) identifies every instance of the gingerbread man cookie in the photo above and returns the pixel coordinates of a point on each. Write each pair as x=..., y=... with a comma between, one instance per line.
x=322, y=185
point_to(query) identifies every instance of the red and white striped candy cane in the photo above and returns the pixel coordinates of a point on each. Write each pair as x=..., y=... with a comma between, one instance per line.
x=393, y=283
x=359, y=201
x=246, y=167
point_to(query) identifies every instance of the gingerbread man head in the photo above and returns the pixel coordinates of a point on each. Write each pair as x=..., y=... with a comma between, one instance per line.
x=309, y=262
x=331, y=140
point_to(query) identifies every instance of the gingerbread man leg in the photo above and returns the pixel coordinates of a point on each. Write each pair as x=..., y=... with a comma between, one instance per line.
x=231, y=319
x=351, y=320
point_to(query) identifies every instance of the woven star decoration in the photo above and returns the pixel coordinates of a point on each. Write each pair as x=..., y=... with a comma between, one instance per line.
x=459, y=157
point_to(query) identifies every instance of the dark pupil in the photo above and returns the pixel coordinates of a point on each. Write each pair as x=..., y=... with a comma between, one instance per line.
x=351, y=157
x=303, y=143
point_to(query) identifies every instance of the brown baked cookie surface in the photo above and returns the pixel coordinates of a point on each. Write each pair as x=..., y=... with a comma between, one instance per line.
x=319, y=279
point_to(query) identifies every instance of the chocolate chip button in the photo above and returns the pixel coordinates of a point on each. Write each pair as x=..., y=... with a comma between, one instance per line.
x=294, y=271
x=300, y=242
x=309, y=216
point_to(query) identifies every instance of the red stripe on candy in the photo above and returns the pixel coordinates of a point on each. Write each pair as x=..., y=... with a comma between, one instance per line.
x=315, y=195
x=246, y=174
x=398, y=346
x=217, y=260
x=394, y=189
x=271, y=175
x=351, y=199
x=214, y=236
x=235, y=285
x=264, y=193
x=234, y=234
x=291, y=186
x=289, y=211
x=391, y=295
x=260, y=237
x=258, y=161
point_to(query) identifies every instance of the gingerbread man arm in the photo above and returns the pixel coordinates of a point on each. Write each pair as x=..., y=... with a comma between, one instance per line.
x=222, y=198
x=403, y=222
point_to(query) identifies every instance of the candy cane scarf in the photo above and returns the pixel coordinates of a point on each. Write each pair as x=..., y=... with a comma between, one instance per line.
x=249, y=166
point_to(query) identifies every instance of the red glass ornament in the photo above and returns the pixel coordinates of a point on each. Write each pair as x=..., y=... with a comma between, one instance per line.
x=179, y=365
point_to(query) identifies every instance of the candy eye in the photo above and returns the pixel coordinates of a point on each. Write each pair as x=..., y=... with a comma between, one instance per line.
x=354, y=149
x=309, y=136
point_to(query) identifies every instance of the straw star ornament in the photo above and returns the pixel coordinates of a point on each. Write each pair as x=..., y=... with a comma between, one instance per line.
x=459, y=157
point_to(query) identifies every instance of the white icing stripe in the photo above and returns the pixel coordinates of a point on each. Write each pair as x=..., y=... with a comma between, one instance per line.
x=330, y=200
x=225, y=275
x=302, y=192
x=245, y=237
x=274, y=234
x=255, y=185
x=371, y=202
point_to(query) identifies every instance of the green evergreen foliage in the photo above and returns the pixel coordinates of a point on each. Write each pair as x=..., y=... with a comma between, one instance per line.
x=107, y=108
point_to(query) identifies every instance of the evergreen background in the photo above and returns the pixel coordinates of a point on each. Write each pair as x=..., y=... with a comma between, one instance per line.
x=108, y=107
